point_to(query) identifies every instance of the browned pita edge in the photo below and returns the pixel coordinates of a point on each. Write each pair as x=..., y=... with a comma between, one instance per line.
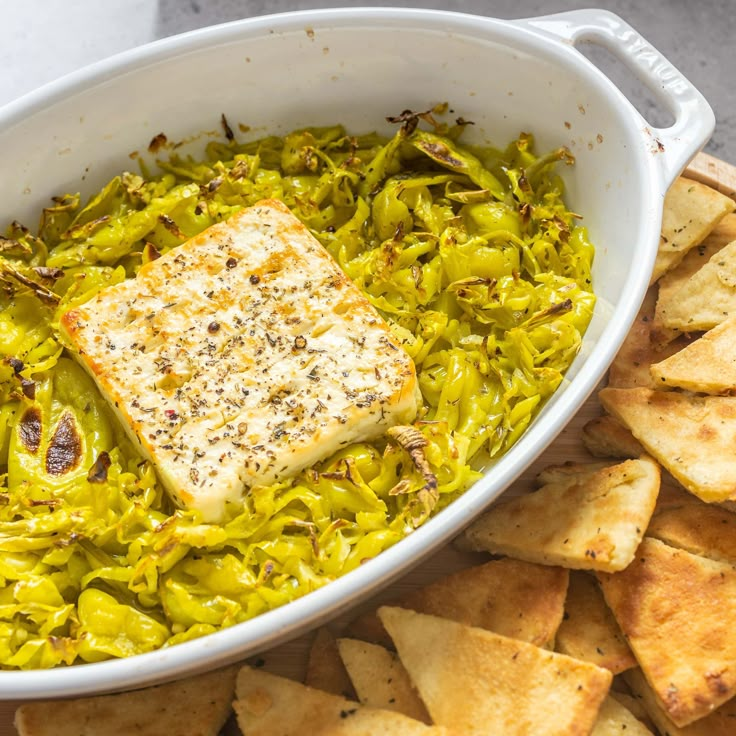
x=325, y=668
x=591, y=522
x=605, y=436
x=569, y=471
x=589, y=631
x=673, y=281
x=511, y=597
x=479, y=682
x=706, y=365
x=719, y=723
x=615, y=719
x=691, y=211
x=682, y=520
x=200, y=705
x=676, y=611
x=380, y=679
x=267, y=705
x=630, y=367
x=692, y=436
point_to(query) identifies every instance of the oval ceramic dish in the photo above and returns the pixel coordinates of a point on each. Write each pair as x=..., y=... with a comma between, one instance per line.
x=356, y=66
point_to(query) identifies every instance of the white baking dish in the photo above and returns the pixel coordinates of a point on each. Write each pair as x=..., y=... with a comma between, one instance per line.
x=357, y=66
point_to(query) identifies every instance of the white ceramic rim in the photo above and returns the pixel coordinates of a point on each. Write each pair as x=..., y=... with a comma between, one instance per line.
x=268, y=629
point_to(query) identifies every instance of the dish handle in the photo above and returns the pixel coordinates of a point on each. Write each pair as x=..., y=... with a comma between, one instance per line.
x=694, y=120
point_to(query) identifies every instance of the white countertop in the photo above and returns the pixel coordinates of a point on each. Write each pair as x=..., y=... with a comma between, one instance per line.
x=44, y=39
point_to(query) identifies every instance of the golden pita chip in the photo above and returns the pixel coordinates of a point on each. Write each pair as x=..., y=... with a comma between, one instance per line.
x=325, y=668
x=707, y=365
x=691, y=211
x=672, y=282
x=719, y=723
x=630, y=367
x=633, y=704
x=594, y=523
x=614, y=720
x=477, y=682
x=511, y=597
x=692, y=436
x=196, y=706
x=676, y=611
x=686, y=522
x=707, y=298
x=606, y=437
x=269, y=705
x=380, y=679
x=565, y=472
x=589, y=631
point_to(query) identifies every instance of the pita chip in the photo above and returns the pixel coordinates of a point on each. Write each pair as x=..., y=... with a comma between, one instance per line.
x=570, y=470
x=630, y=367
x=707, y=365
x=197, y=706
x=632, y=703
x=691, y=211
x=380, y=679
x=676, y=611
x=589, y=631
x=719, y=723
x=615, y=719
x=269, y=705
x=325, y=668
x=478, y=682
x=605, y=436
x=511, y=597
x=688, y=523
x=692, y=436
x=593, y=523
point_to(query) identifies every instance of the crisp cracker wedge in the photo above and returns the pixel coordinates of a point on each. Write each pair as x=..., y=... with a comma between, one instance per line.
x=479, y=682
x=325, y=668
x=197, y=706
x=682, y=520
x=614, y=720
x=565, y=472
x=269, y=705
x=594, y=523
x=692, y=436
x=691, y=211
x=630, y=367
x=707, y=365
x=632, y=703
x=672, y=282
x=676, y=611
x=589, y=631
x=511, y=597
x=707, y=298
x=719, y=723
x=380, y=679
x=605, y=436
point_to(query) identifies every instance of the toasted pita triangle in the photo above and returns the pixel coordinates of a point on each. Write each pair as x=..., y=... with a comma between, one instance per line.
x=686, y=522
x=691, y=211
x=478, y=682
x=380, y=679
x=589, y=630
x=693, y=437
x=676, y=610
x=511, y=597
x=707, y=365
x=198, y=706
x=718, y=723
x=707, y=298
x=591, y=523
x=630, y=367
x=325, y=668
x=614, y=720
x=606, y=437
x=269, y=705
x=673, y=281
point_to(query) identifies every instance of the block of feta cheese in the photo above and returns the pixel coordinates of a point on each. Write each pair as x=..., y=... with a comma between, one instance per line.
x=242, y=357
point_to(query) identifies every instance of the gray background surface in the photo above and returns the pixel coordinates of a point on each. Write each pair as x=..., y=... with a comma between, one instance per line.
x=44, y=39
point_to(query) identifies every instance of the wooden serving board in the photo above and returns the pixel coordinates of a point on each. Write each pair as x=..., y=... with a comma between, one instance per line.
x=289, y=659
